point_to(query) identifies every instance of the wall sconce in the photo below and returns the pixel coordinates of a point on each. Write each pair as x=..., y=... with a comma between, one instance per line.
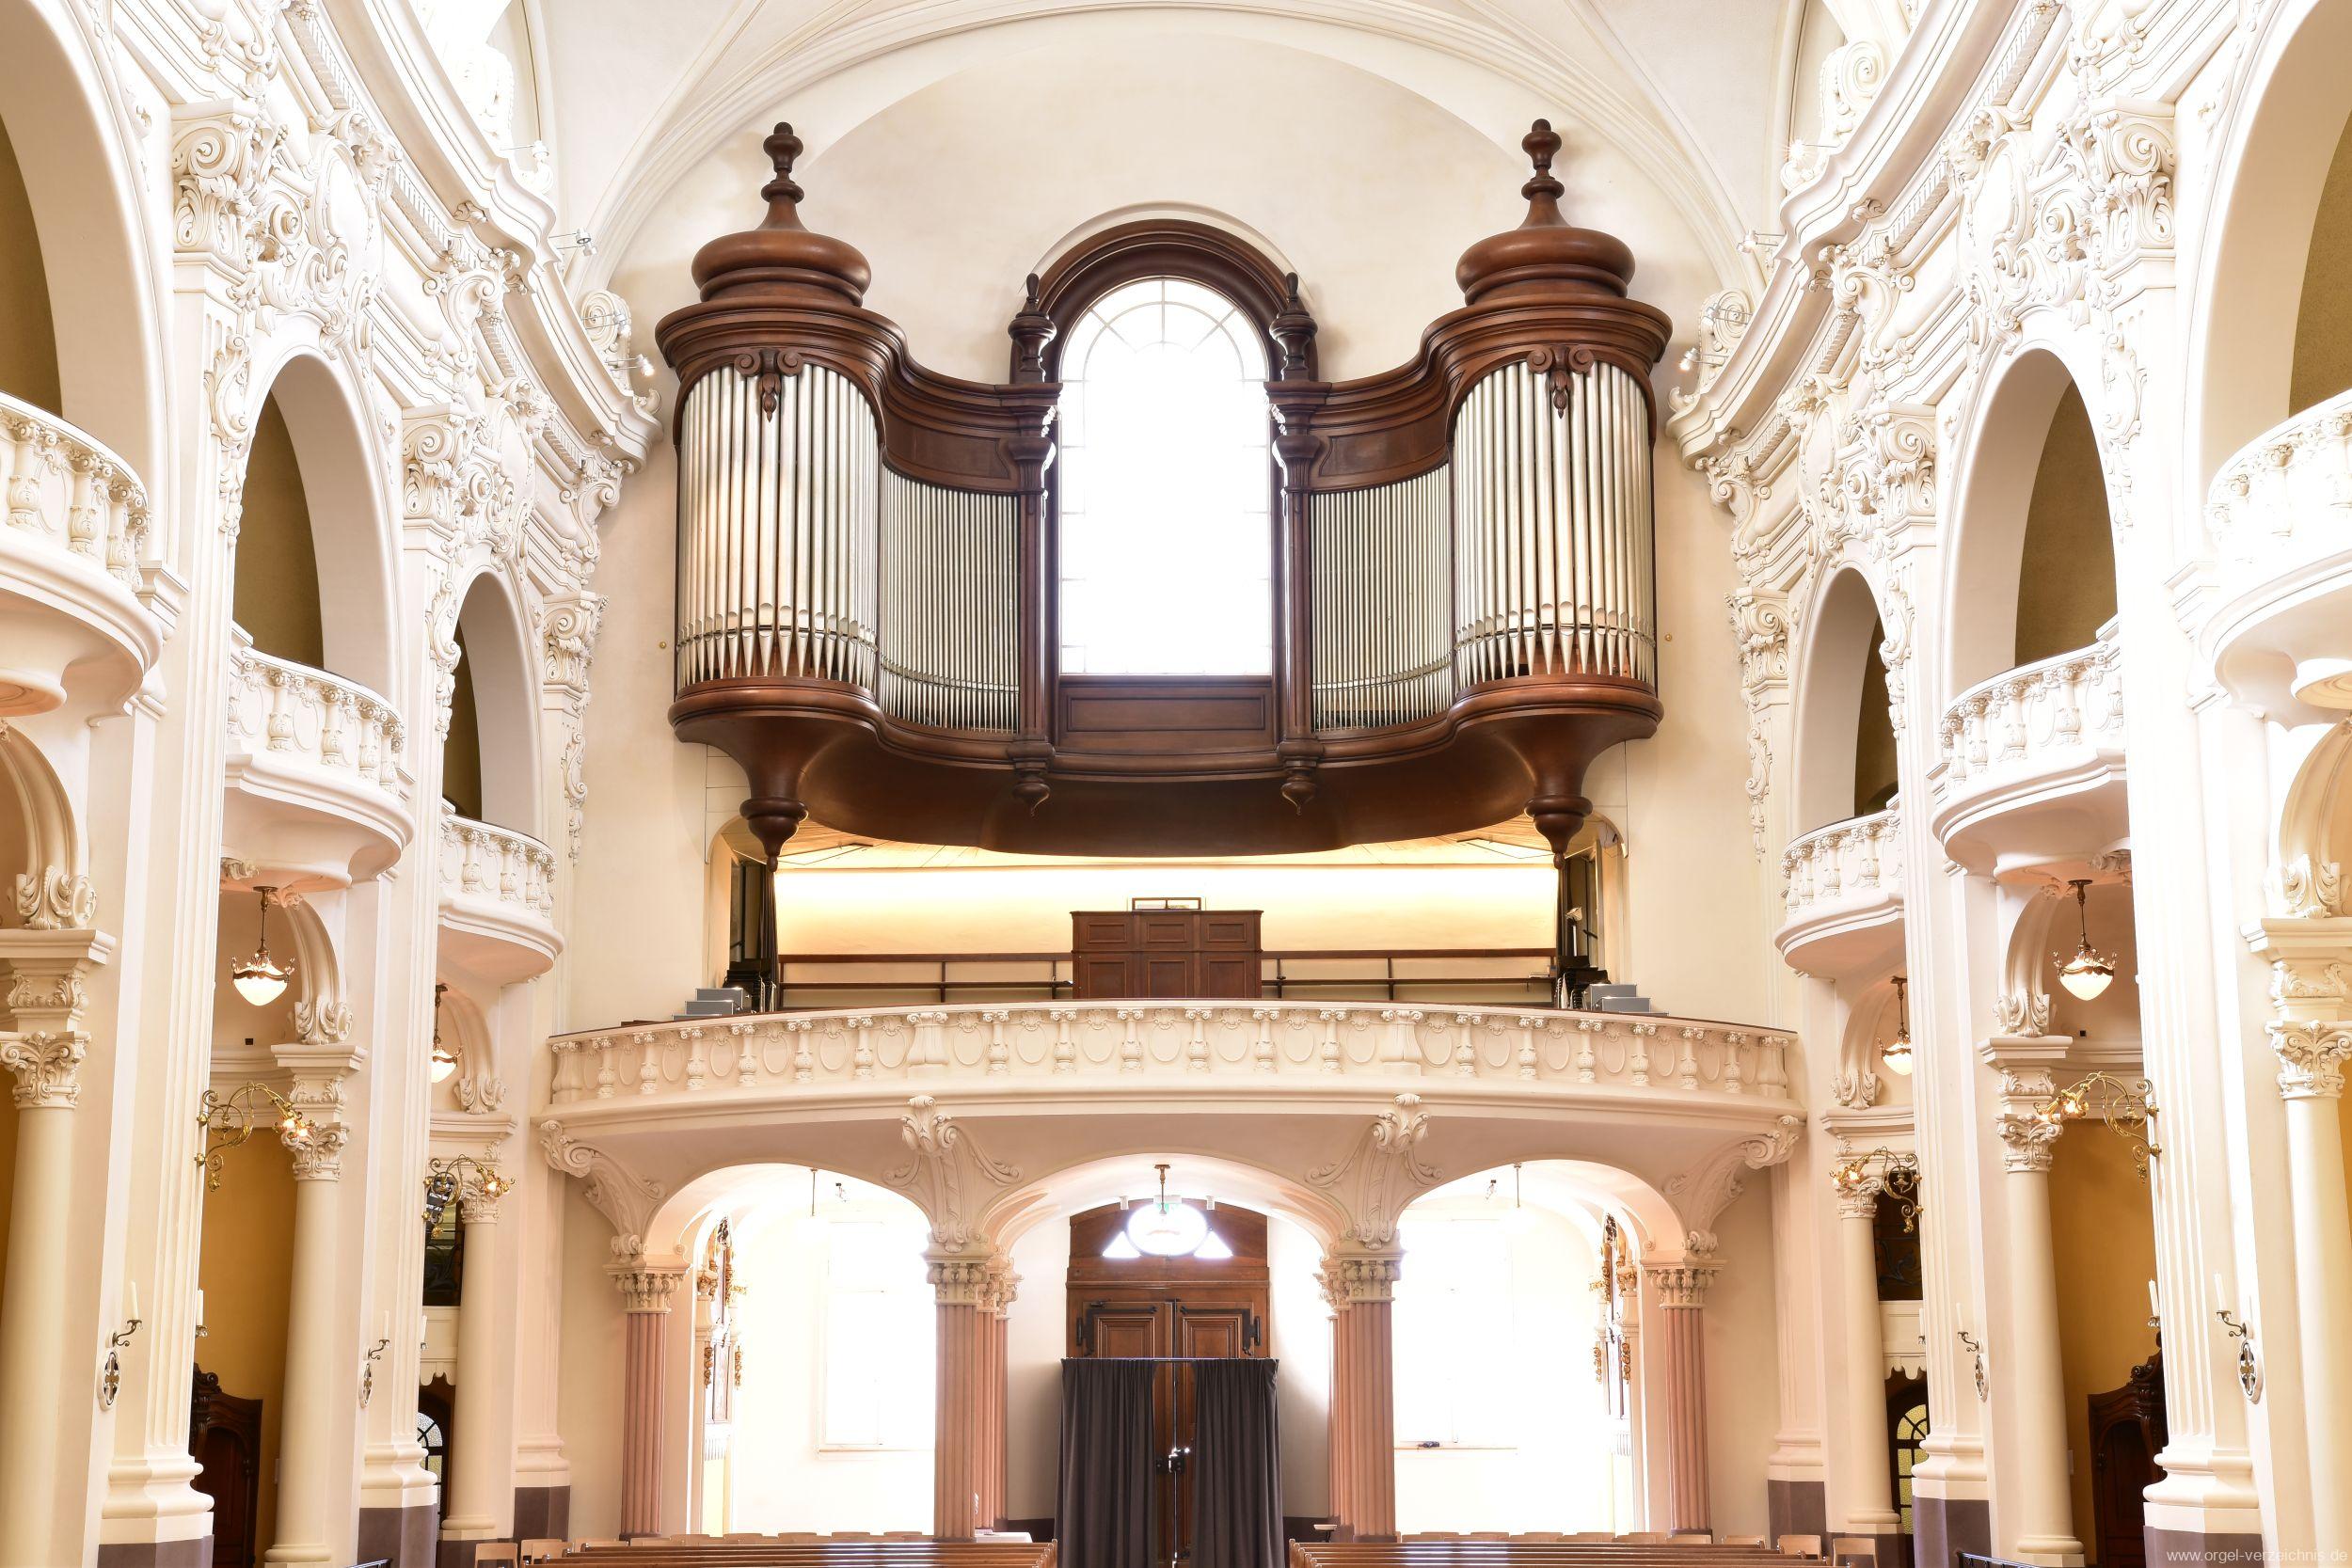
x=110, y=1371
x=446, y=1180
x=235, y=1115
x=1896, y=1053
x=2249, y=1367
x=2089, y=973
x=1897, y=1175
x=444, y=1059
x=260, y=979
x=1975, y=1347
x=367, y=1370
x=2131, y=1110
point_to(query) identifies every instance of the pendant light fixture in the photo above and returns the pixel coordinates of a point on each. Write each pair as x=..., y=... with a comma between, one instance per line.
x=260, y=979
x=1896, y=1053
x=444, y=1059
x=2089, y=973
x=1167, y=1227
x=1521, y=1217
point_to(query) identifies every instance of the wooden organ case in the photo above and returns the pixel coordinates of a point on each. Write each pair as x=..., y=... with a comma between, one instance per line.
x=1462, y=573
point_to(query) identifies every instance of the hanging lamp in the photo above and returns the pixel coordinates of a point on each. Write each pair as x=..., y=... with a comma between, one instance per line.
x=2089, y=973
x=260, y=979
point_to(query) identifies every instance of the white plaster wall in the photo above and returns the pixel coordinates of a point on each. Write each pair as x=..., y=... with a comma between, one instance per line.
x=784, y=1477
x=1742, y=1399
x=1555, y=1472
x=588, y=1384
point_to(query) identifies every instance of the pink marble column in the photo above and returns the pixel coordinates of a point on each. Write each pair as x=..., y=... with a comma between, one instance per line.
x=1359, y=1287
x=1681, y=1292
x=647, y=1290
x=967, y=1453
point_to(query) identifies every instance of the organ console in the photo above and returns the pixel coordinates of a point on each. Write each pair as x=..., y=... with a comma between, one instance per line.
x=1462, y=569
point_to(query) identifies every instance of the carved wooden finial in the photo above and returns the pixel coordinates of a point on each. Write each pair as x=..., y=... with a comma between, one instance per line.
x=1031, y=329
x=782, y=193
x=1539, y=144
x=1294, y=332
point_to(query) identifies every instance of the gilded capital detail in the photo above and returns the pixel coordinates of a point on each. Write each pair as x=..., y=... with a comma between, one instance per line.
x=646, y=1289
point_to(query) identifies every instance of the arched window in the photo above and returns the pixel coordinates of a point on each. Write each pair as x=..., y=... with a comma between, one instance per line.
x=1165, y=486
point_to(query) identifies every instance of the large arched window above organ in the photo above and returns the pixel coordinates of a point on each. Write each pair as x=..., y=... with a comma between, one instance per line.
x=1163, y=590
x=1164, y=540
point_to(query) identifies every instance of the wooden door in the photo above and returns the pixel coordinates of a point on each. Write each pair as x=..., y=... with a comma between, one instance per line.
x=1165, y=952
x=225, y=1439
x=2127, y=1431
x=1170, y=1308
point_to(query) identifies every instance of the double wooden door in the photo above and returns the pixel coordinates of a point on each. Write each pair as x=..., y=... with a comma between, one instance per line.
x=1178, y=1311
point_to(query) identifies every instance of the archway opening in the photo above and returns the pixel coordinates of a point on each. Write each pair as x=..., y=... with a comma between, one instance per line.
x=2323, y=317
x=2034, y=567
x=489, y=761
x=1846, y=758
x=1504, y=1370
x=276, y=591
x=28, y=350
x=828, y=1424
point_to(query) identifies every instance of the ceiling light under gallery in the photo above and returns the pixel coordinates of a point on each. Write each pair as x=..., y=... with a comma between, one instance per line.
x=1896, y=1053
x=2089, y=973
x=260, y=979
x=1165, y=1227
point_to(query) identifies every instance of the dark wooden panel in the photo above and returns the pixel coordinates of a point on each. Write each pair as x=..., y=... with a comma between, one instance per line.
x=1168, y=931
x=1120, y=1328
x=1219, y=1328
x=1098, y=977
x=1230, y=929
x=1159, y=714
x=1226, y=975
x=1095, y=932
x=1166, y=975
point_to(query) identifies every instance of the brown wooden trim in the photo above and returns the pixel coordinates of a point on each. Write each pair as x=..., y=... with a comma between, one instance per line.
x=1176, y=247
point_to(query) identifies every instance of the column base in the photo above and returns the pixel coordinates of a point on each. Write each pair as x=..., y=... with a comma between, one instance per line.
x=2169, y=1547
x=195, y=1552
x=2050, y=1552
x=1941, y=1526
x=542, y=1513
x=1796, y=1508
x=402, y=1537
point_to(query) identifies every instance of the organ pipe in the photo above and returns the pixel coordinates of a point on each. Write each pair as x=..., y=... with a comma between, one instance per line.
x=950, y=562
x=1382, y=620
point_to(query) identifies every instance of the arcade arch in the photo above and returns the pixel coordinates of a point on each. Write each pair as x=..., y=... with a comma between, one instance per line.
x=489, y=765
x=1845, y=752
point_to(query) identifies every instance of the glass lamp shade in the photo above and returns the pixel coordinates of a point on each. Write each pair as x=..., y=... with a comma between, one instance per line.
x=2086, y=975
x=1896, y=1053
x=257, y=980
x=444, y=1063
x=1173, y=1229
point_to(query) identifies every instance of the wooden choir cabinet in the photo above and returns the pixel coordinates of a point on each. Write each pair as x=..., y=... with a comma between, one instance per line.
x=1207, y=953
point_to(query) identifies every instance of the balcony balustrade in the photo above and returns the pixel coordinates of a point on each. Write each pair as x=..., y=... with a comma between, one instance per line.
x=498, y=901
x=318, y=795
x=1162, y=1045
x=2278, y=521
x=2032, y=766
x=1843, y=890
x=70, y=554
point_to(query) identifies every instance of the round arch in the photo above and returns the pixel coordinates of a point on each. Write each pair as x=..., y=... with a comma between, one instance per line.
x=1832, y=665
x=77, y=157
x=352, y=533
x=2000, y=447
x=1091, y=1183
x=41, y=848
x=495, y=627
x=2272, y=168
x=1484, y=78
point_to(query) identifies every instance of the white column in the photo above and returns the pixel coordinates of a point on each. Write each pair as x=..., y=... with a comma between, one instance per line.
x=2312, y=1036
x=307, y=1457
x=2039, y=1513
x=1865, y=1485
x=474, y=1511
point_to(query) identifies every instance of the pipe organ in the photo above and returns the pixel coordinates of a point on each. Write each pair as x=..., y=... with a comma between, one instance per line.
x=1462, y=566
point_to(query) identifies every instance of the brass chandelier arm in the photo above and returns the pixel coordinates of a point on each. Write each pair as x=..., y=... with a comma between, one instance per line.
x=1895, y=1174
x=226, y=1123
x=461, y=1176
x=2127, y=1105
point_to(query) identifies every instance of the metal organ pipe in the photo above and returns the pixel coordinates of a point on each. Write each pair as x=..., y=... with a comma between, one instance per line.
x=1551, y=528
x=950, y=576
x=1382, y=644
x=776, y=551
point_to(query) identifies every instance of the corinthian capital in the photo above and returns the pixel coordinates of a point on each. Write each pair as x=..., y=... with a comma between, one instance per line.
x=319, y=1155
x=1683, y=1284
x=646, y=1286
x=47, y=1067
x=1348, y=1278
x=2311, y=1059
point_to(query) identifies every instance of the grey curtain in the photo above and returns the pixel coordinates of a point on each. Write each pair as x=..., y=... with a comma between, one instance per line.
x=1237, y=1466
x=1102, y=1512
